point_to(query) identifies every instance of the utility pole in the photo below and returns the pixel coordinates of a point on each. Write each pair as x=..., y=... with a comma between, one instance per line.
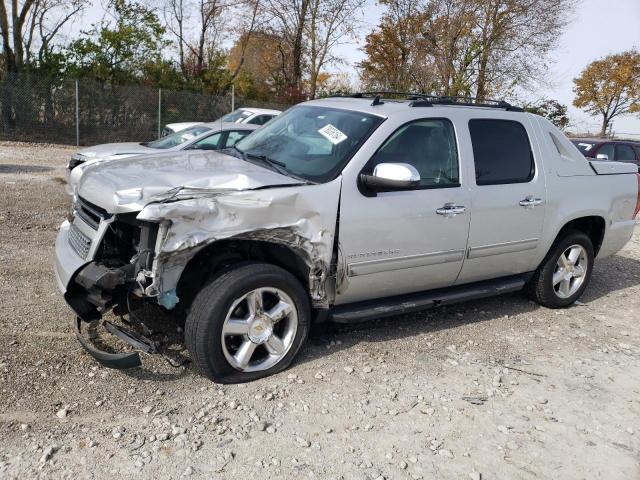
x=77, y=117
x=159, y=112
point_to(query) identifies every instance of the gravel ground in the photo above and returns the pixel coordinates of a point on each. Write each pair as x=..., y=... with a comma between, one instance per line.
x=499, y=388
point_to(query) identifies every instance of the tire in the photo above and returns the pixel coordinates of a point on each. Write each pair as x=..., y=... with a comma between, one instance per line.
x=220, y=348
x=542, y=288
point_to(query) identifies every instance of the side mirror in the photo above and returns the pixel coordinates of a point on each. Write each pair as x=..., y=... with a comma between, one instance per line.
x=391, y=176
x=602, y=156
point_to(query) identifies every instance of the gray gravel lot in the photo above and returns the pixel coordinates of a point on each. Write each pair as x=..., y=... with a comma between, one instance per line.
x=492, y=389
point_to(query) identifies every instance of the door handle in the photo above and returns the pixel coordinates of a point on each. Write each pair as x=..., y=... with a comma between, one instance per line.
x=450, y=210
x=530, y=202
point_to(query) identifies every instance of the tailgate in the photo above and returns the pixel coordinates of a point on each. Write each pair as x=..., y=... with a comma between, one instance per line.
x=606, y=167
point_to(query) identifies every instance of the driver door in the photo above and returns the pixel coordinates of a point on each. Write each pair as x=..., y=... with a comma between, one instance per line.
x=404, y=241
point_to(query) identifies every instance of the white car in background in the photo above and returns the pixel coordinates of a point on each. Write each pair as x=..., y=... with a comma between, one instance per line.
x=205, y=136
x=248, y=116
x=171, y=128
x=251, y=116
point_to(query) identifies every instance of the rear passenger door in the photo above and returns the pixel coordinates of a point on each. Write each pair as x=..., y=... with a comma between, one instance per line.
x=507, y=199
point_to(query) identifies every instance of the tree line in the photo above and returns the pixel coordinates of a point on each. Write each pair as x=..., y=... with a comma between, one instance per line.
x=268, y=49
x=282, y=50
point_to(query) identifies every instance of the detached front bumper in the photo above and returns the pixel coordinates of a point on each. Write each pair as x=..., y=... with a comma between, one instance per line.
x=120, y=361
x=90, y=289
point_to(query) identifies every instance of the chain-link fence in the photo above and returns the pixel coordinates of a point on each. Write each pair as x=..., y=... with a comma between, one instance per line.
x=86, y=112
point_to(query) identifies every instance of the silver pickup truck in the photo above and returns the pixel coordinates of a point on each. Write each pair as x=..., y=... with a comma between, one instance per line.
x=340, y=209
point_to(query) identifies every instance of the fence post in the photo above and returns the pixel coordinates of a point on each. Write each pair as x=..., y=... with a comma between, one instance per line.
x=77, y=117
x=233, y=97
x=159, y=112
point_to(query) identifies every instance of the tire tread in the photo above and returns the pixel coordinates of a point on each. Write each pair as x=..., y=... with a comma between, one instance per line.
x=539, y=290
x=199, y=324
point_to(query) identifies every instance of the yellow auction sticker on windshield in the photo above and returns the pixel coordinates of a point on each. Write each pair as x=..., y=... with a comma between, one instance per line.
x=332, y=134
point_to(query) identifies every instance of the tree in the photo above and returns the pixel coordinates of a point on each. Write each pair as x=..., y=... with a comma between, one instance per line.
x=32, y=24
x=330, y=22
x=475, y=48
x=116, y=51
x=334, y=84
x=25, y=27
x=394, y=54
x=205, y=19
x=287, y=20
x=257, y=61
x=552, y=110
x=610, y=87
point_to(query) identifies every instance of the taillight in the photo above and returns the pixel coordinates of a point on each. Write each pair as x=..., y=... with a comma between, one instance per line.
x=635, y=214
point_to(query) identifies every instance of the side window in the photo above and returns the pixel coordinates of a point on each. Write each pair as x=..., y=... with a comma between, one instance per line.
x=606, y=149
x=235, y=136
x=501, y=151
x=209, y=143
x=429, y=145
x=260, y=120
x=624, y=153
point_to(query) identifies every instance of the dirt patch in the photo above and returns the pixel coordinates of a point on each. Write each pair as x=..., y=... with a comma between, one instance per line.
x=8, y=168
x=499, y=387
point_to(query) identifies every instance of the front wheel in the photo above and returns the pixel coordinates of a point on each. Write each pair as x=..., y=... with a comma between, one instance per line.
x=565, y=272
x=248, y=323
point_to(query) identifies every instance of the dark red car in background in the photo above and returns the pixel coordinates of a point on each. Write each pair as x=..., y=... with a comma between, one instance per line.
x=618, y=150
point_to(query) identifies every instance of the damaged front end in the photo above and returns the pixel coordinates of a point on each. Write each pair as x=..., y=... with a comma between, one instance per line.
x=120, y=259
x=144, y=253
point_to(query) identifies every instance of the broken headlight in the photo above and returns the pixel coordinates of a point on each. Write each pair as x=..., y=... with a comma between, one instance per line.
x=71, y=214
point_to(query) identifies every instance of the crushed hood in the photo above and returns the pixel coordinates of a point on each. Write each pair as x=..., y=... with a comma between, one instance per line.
x=128, y=185
x=109, y=149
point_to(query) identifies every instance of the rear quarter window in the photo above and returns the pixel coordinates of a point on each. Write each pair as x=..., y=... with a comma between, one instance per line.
x=501, y=151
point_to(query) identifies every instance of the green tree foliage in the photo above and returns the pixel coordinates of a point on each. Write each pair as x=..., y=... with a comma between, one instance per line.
x=552, y=110
x=119, y=50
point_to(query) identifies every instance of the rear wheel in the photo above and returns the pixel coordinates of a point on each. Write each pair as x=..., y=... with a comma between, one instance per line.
x=248, y=323
x=565, y=272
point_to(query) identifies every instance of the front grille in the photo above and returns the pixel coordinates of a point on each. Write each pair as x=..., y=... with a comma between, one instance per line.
x=79, y=241
x=91, y=214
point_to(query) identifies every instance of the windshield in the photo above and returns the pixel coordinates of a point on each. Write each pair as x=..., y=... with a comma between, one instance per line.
x=237, y=116
x=584, y=147
x=177, y=138
x=314, y=143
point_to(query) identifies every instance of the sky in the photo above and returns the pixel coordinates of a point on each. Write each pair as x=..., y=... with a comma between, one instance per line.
x=598, y=28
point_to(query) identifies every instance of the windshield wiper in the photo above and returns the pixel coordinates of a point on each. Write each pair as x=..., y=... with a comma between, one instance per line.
x=276, y=164
x=272, y=164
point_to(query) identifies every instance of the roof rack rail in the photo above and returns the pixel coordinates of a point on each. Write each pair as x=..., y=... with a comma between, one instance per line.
x=427, y=100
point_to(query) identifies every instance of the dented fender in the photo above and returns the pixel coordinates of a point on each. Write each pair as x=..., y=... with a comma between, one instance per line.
x=301, y=217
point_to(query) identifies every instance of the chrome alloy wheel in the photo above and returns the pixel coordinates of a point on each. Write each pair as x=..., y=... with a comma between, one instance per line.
x=570, y=271
x=259, y=329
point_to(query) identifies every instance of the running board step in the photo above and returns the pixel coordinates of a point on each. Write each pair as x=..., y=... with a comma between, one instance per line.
x=385, y=307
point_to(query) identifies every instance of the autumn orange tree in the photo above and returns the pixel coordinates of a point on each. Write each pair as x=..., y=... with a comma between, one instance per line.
x=610, y=87
x=478, y=48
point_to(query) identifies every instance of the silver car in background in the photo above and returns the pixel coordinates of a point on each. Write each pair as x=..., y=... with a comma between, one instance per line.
x=250, y=116
x=206, y=136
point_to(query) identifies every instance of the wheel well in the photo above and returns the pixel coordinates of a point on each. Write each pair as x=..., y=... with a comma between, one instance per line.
x=592, y=226
x=223, y=254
